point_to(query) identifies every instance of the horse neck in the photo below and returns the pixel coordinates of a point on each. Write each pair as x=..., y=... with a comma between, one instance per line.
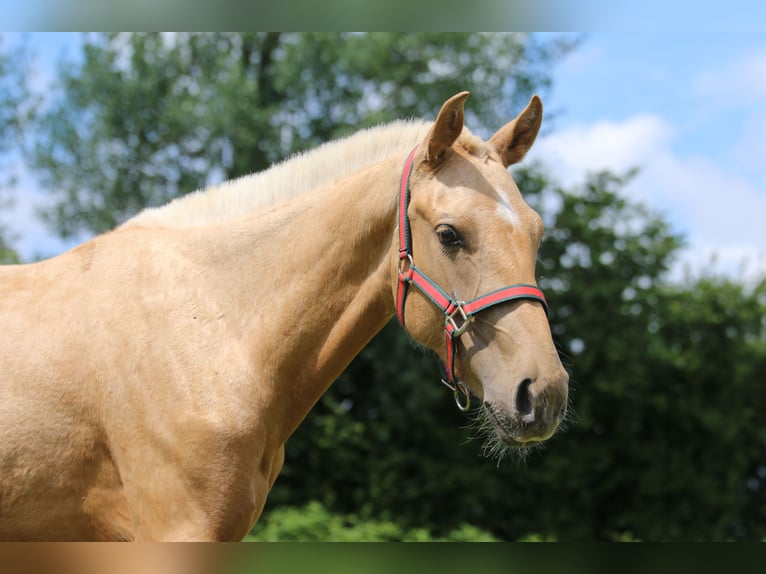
x=320, y=285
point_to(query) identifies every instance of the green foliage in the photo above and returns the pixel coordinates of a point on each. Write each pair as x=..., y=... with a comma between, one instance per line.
x=16, y=108
x=314, y=523
x=7, y=254
x=16, y=104
x=706, y=362
x=665, y=379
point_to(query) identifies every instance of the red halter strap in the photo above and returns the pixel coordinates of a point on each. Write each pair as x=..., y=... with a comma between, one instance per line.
x=457, y=314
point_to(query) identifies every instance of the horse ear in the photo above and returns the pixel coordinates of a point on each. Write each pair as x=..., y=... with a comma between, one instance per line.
x=446, y=128
x=515, y=138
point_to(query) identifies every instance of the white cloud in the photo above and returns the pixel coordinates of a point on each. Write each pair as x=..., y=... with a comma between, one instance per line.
x=720, y=212
x=583, y=148
x=749, y=152
x=743, y=80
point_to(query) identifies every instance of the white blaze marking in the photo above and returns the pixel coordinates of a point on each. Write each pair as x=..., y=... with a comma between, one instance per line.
x=504, y=208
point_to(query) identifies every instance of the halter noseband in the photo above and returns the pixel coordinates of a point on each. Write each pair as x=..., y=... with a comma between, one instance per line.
x=457, y=314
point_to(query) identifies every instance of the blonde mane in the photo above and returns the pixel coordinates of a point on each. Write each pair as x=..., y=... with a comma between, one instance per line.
x=235, y=199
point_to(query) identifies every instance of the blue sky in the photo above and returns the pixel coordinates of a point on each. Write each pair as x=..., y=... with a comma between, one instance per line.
x=688, y=108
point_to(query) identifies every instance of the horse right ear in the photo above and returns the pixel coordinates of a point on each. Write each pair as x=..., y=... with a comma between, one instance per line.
x=513, y=140
x=446, y=128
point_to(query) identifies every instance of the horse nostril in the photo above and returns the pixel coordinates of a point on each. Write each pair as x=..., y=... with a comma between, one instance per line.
x=524, y=399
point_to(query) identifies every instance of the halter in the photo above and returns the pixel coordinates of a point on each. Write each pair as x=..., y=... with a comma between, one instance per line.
x=457, y=314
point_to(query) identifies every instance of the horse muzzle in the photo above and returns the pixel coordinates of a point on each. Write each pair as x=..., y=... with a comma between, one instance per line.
x=534, y=414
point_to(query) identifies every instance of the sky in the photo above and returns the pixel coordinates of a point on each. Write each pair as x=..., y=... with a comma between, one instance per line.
x=688, y=109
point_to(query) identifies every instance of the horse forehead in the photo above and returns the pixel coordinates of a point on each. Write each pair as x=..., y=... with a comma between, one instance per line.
x=491, y=188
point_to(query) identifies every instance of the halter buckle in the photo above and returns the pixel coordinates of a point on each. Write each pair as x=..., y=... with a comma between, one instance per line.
x=460, y=313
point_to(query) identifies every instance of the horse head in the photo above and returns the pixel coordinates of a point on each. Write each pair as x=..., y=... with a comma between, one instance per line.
x=469, y=242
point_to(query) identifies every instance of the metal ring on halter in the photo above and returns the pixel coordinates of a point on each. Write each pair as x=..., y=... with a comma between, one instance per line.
x=463, y=407
x=402, y=260
x=457, y=389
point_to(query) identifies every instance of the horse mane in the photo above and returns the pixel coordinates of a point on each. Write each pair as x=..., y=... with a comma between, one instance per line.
x=235, y=199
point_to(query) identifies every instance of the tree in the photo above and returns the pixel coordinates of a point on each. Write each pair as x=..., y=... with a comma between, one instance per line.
x=145, y=118
x=16, y=106
x=15, y=103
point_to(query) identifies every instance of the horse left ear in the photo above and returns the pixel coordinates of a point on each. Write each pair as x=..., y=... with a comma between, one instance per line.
x=515, y=138
x=446, y=128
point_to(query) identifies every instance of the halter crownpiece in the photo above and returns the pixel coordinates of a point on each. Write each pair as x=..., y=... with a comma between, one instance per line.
x=457, y=314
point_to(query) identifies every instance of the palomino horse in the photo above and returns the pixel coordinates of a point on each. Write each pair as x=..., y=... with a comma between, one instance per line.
x=151, y=376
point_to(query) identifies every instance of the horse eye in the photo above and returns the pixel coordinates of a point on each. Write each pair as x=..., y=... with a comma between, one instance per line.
x=448, y=236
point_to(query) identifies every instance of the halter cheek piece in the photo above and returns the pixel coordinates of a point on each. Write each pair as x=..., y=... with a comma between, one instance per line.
x=457, y=314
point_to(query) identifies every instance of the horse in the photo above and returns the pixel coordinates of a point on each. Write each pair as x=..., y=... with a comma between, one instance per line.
x=151, y=376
